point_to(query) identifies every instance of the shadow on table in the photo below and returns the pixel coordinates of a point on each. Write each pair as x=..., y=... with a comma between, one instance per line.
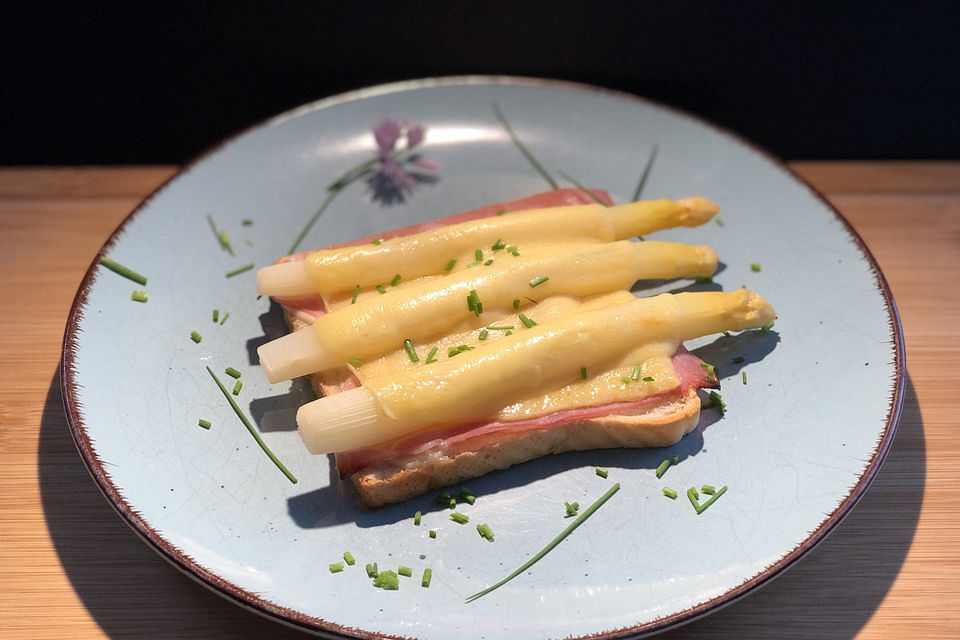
x=131, y=592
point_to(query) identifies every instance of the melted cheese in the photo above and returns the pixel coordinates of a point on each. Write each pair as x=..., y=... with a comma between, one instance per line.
x=337, y=271
x=432, y=307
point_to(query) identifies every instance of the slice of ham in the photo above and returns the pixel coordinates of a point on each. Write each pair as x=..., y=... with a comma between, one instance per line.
x=313, y=306
x=687, y=366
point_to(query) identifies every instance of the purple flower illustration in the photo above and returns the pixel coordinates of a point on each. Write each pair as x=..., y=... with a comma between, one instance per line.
x=399, y=167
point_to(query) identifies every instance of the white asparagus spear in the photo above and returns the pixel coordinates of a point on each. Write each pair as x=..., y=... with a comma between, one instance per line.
x=332, y=271
x=476, y=384
x=426, y=309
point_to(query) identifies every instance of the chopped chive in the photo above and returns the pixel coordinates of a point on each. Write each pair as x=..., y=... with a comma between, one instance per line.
x=635, y=375
x=483, y=334
x=377, y=242
x=372, y=570
x=446, y=500
x=405, y=571
x=416, y=518
x=726, y=334
x=765, y=328
x=738, y=359
x=410, y=351
x=583, y=372
x=703, y=507
x=719, y=222
x=508, y=333
x=253, y=432
x=237, y=387
x=126, y=272
x=520, y=147
x=716, y=401
x=203, y=423
x=755, y=267
x=670, y=493
x=355, y=361
x=387, y=580
x=459, y=518
x=233, y=373
x=336, y=567
x=709, y=368
x=582, y=188
x=349, y=558
x=468, y=498
x=239, y=270
x=356, y=292
x=485, y=532
x=196, y=337
x=512, y=250
x=552, y=544
x=478, y=254
x=538, y=281
x=381, y=289
x=531, y=299
x=708, y=489
x=488, y=262
x=500, y=327
x=501, y=212
x=246, y=222
x=662, y=469
x=395, y=281
x=433, y=533
x=626, y=380
x=496, y=246
x=647, y=379
x=640, y=238
x=224, y=318
x=139, y=296
x=452, y=351
x=643, y=176
x=474, y=264
x=516, y=304
x=221, y=236
x=425, y=580
x=527, y=322
x=743, y=377
x=450, y=265
x=703, y=280
x=430, y=358
x=601, y=472
x=571, y=508
x=216, y=315
x=694, y=498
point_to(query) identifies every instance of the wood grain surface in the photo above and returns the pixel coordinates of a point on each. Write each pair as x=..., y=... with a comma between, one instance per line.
x=70, y=568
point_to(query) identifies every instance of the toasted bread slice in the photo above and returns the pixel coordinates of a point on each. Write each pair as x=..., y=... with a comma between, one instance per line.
x=404, y=478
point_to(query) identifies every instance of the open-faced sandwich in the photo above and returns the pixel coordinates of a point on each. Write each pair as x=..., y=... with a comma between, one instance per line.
x=450, y=349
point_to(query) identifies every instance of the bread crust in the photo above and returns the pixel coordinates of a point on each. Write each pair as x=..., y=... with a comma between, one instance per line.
x=397, y=480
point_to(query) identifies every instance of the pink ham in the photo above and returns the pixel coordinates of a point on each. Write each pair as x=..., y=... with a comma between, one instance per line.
x=687, y=366
x=313, y=306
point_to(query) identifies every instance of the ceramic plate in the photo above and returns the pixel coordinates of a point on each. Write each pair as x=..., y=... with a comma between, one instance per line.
x=797, y=447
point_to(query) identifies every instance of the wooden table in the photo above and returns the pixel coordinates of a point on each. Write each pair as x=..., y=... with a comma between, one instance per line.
x=70, y=568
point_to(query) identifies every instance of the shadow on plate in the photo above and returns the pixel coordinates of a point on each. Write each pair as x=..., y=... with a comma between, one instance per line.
x=334, y=504
x=132, y=592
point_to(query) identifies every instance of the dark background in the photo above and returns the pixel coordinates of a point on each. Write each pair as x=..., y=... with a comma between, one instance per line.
x=157, y=83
